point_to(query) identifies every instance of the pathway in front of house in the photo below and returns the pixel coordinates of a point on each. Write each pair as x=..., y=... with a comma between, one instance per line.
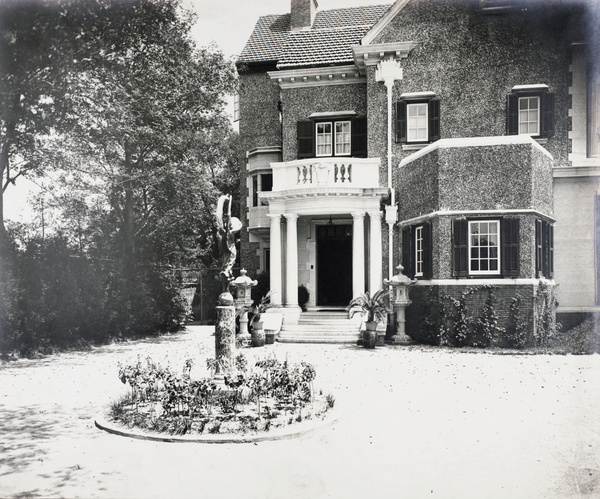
x=416, y=422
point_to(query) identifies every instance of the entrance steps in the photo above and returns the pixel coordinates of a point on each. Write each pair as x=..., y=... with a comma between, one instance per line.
x=324, y=325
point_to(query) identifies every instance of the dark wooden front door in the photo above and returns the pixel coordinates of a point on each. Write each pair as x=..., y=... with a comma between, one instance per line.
x=334, y=265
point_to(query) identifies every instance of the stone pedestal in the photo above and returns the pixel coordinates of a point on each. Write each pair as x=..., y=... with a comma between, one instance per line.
x=225, y=342
x=243, y=285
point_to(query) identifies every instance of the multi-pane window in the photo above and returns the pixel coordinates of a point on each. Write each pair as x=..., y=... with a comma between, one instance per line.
x=484, y=254
x=529, y=115
x=417, y=118
x=419, y=251
x=530, y=111
x=261, y=183
x=337, y=137
x=342, y=138
x=324, y=139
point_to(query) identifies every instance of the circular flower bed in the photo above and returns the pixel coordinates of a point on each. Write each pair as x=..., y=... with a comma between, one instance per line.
x=272, y=394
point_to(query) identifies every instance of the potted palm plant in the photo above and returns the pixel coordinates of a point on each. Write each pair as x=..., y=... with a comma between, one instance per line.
x=375, y=309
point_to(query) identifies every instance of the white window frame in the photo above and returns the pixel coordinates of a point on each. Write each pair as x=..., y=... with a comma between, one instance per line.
x=344, y=134
x=472, y=238
x=419, y=251
x=420, y=118
x=318, y=135
x=528, y=111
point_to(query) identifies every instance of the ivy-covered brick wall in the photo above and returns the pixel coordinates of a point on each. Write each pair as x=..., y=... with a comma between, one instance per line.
x=471, y=61
x=512, y=316
x=495, y=177
x=300, y=103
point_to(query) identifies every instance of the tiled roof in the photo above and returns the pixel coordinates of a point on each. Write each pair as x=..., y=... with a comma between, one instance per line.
x=327, y=42
x=320, y=46
x=354, y=16
x=265, y=42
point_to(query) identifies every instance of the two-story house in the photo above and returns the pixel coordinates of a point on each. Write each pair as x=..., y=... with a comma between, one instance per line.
x=459, y=138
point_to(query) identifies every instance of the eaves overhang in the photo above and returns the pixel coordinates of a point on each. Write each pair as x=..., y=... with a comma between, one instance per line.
x=371, y=55
x=314, y=77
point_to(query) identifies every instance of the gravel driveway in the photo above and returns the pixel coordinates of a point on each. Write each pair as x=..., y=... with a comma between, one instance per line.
x=415, y=422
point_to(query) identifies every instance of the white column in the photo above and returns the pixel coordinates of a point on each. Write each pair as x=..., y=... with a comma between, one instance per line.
x=291, y=263
x=275, y=259
x=358, y=254
x=375, y=252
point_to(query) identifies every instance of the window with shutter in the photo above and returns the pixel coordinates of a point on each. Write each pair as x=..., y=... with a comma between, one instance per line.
x=510, y=247
x=359, y=137
x=335, y=137
x=407, y=252
x=305, y=136
x=460, y=248
x=530, y=111
x=544, y=249
x=483, y=247
x=417, y=119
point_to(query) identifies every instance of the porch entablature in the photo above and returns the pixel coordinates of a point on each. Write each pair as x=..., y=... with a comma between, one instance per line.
x=326, y=174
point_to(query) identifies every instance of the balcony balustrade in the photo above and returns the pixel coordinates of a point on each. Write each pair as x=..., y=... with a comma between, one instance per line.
x=334, y=173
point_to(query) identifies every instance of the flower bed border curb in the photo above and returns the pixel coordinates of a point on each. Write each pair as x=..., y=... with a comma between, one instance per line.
x=287, y=432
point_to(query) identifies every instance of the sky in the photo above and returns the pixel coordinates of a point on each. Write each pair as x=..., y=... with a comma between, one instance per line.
x=228, y=24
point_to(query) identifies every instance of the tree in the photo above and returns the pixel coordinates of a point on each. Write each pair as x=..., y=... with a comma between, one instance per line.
x=35, y=48
x=149, y=111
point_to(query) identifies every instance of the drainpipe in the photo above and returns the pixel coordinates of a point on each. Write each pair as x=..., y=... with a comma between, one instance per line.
x=389, y=71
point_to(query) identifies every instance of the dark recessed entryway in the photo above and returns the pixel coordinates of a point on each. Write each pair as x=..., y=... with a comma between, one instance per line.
x=334, y=265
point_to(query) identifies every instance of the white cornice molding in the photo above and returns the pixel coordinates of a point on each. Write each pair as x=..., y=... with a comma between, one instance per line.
x=370, y=55
x=475, y=213
x=383, y=22
x=316, y=77
x=475, y=142
x=576, y=171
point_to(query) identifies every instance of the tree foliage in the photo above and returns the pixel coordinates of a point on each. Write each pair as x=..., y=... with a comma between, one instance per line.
x=123, y=117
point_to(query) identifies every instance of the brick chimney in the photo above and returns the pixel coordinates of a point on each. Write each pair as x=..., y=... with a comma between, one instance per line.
x=303, y=14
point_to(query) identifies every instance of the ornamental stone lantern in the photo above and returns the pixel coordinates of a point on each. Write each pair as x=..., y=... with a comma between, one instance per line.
x=399, y=299
x=243, y=285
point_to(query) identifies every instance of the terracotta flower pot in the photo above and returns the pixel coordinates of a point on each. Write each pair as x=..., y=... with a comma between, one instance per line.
x=258, y=335
x=370, y=335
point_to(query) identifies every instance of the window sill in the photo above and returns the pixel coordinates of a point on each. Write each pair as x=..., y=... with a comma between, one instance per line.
x=414, y=147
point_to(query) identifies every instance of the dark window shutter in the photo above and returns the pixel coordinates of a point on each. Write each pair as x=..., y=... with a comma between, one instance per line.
x=512, y=115
x=306, y=139
x=460, y=248
x=510, y=247
x=359, y=137
x=401, y=121
x=408, y=252
x=539, y=254
x=550, y=251
x=427, y=253
x=434, y=120
x=547, y=104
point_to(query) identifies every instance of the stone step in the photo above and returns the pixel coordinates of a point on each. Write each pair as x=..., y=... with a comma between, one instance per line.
x=321, y=327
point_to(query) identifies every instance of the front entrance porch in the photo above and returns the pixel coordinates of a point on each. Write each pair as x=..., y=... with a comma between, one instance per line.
x=334, y=265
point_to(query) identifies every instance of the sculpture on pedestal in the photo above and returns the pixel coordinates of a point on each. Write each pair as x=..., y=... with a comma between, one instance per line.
x=228, y=229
